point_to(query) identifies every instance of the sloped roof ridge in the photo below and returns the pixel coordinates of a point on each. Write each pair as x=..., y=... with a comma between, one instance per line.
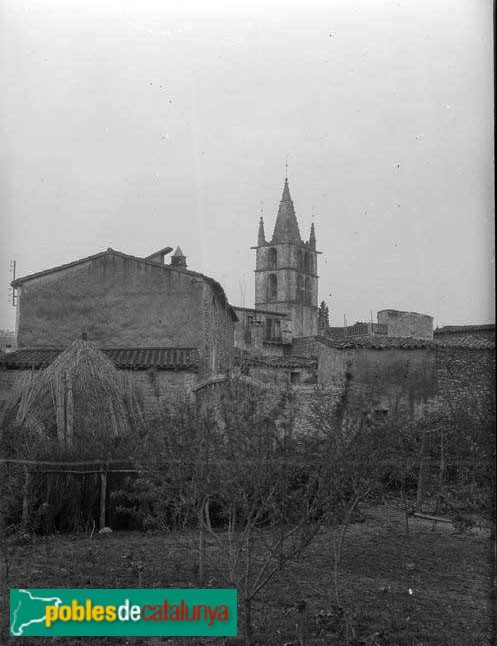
x=214, y=284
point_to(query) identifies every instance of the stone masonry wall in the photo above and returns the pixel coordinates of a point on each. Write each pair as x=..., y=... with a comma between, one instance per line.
x=159, y=388
x=218, y=335
x=426, y=379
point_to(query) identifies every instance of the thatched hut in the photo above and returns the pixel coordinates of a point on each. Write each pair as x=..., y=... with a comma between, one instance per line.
x=81, y=401
x=79, y=408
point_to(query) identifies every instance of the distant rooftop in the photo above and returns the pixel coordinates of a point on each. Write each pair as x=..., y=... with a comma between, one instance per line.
x=465, y=329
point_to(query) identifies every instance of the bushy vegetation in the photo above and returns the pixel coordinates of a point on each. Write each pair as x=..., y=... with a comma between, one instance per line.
x=228, y=477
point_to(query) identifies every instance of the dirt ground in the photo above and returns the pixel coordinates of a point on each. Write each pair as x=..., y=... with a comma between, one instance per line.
x=434, y=587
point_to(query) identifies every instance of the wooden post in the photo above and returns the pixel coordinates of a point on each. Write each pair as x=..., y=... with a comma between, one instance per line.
x=103, y=497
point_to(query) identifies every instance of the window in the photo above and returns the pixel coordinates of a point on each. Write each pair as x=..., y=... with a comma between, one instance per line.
x=308, y=291
x=300, y=289
x=276, y=330
x=300, y=260
x=272, y=287
x=272, y=258
x=273, y=330
x=295, y=377
x=307, y=263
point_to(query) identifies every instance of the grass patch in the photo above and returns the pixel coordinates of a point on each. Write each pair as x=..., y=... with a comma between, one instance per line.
x=449, y=576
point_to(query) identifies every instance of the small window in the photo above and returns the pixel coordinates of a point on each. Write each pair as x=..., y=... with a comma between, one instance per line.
x=273, y=259
x=295, y=377
x=308, y=291
x=273, y=330
x=307, y=263
x=300, y=289
x=272, y=287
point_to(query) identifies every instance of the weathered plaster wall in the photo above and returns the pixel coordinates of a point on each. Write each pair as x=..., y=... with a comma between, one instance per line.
x=216, y=348
x=118, y=301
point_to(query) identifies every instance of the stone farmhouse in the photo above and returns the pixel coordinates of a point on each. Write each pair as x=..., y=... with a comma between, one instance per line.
x=175, y=330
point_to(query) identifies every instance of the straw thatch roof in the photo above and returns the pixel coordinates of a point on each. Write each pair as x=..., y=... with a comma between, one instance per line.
x=81, y=398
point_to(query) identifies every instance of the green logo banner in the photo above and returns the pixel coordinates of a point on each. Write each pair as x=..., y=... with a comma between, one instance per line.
x=78, y=612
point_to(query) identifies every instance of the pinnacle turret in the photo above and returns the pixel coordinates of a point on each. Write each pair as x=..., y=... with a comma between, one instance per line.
x=261, y=237
x=312, y=237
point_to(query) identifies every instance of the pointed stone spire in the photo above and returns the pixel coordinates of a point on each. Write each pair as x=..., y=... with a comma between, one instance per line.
x=178, y=259
x=261, y=237
x=286, y=228
x=312, y=237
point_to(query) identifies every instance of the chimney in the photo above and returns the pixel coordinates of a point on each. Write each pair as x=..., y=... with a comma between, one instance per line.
x=158, y=256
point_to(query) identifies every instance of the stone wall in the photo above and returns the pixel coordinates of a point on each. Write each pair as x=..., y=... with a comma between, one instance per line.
x=159, y=388
x=465, y=377
x=216, y=349
x=425, y=379
x=163, y=388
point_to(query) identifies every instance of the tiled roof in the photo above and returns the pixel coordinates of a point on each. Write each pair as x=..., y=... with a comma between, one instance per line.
x=124, y=358
x=407, y=343
x=275, y=361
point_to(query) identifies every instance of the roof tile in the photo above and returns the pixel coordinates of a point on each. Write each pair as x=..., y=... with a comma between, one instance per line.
x=125, y=358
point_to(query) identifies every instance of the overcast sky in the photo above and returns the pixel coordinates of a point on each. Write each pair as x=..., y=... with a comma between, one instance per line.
x=139, y=124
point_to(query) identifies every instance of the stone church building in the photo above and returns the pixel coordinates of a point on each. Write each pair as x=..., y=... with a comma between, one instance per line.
x=175, y=330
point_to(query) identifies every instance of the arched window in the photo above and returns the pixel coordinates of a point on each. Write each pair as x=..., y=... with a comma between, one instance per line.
x=307, y=263
x=300, y=289
x=300, y=260
x=308, y=291
x=273, y=258
x=272, y=287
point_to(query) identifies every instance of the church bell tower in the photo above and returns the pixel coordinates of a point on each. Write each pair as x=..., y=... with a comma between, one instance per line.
x=286, y=277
